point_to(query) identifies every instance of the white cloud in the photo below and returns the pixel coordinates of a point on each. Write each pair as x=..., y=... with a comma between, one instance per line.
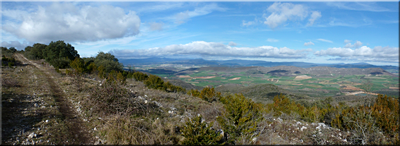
x=232, y=44
x=65, y=21
x=324, y=40
x=282, y=12
x=357, y=44
x=364, y=53
x=308, y=43
x=347, y=41
x=244, y=23
x=248, y=23
x=272, y=40
x=182, y=17
x=156, y=26
x=314, y=16
x=201, y=48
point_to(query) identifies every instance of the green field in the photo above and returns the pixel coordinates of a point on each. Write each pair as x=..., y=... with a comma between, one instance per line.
x=319, y=86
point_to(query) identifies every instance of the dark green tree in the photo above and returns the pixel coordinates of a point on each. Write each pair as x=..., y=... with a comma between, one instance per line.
x=59, y=54
x=108, y=61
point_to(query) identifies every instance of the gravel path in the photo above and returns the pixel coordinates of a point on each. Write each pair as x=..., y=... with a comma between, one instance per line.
x=77, y=132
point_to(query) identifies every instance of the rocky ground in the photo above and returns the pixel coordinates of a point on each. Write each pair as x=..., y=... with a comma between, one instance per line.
x=34, y=108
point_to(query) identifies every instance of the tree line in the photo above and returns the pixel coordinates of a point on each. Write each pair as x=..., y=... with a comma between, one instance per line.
x=63, y=55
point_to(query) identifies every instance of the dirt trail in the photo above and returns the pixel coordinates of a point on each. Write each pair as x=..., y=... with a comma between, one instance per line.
x=78, y=133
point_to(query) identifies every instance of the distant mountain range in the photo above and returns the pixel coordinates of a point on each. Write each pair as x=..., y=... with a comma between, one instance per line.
x=239, y=63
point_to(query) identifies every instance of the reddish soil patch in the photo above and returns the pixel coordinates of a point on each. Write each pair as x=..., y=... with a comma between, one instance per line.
x=184, y=76
x=394, y=88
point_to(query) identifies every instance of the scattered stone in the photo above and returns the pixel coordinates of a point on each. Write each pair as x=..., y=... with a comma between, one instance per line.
x=32, y=135
x=47, y=121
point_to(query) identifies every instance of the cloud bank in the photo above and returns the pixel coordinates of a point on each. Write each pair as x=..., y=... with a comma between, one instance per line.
x=201, y=48
x=16, y=44
x=65, y=21
x=364, y=53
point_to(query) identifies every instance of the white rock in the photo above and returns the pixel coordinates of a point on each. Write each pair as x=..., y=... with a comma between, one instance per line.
x=32, y=135
x=145, y=101
x=145, y=95
x=302, y=128
x=47, y=121
x=254, y=139
x=94, y=128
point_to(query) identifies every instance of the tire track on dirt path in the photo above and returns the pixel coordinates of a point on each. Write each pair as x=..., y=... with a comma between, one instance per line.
x=77, y=132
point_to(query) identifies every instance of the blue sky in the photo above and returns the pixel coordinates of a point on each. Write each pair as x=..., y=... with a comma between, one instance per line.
x=317, y=32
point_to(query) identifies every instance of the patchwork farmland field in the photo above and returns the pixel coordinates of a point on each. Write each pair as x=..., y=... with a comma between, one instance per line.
x=312, y=84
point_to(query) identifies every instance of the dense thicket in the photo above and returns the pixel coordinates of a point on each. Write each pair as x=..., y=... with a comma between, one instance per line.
x=59, y=54
x=35, y=52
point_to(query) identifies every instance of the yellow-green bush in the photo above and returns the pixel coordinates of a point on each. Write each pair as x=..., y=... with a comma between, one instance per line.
x=240, y=118
x=198, y=132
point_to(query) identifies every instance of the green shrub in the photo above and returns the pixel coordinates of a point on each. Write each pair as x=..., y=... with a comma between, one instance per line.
x=10, y=64
x=198, y=132
x=154, y=82
x=240, y=118
x=139, y=76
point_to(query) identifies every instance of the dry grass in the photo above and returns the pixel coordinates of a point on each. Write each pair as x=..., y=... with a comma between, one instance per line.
x=152, y=117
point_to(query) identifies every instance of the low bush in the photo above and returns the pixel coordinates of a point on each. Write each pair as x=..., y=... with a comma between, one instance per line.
x=198, y=132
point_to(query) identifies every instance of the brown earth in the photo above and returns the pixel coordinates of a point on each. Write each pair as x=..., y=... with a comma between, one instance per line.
x=394, y=88
x=302, y=77
x=235, y=78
